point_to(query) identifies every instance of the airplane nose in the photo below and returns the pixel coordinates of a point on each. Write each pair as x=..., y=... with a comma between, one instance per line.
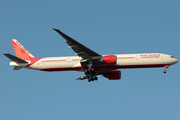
x=175, y=61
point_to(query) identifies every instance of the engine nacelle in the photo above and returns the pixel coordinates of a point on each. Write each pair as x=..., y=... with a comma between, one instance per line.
x=113, y=75
x=109, y=59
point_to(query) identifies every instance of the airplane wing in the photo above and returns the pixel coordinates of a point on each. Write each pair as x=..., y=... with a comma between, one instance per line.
x=89, y=57
x=80, y=50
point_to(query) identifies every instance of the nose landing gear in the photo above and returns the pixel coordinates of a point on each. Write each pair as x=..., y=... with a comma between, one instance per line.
x=165, y=67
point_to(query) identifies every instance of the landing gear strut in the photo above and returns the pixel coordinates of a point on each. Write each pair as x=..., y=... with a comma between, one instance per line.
x=165, y=67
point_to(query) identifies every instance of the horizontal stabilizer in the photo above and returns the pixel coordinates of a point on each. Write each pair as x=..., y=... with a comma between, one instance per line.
x=17, y=68
x=14, y=58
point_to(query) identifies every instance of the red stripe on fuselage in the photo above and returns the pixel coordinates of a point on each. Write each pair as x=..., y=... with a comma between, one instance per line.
x=33, y=60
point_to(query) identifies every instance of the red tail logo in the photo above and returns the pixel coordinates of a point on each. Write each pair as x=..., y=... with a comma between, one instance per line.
x=20, y=51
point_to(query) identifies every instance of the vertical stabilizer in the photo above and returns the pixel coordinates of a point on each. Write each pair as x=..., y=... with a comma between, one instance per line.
x=21, y=52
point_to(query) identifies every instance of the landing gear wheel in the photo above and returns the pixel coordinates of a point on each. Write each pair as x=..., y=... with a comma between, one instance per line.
x=165, y=67
x=92, y=79
x=95, y=78
x=89, y=80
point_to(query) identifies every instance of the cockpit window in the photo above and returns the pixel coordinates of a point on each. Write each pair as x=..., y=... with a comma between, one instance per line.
x=172, y=56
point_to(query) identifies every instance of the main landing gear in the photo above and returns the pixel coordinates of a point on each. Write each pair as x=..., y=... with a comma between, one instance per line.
x=92, y=79
x=165, y=67
x=91, y=75
x=90, y=72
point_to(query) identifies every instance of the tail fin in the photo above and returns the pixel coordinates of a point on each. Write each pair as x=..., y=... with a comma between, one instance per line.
x=21, y=52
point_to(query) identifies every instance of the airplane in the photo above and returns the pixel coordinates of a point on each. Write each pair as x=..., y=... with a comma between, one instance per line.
x=87, y=61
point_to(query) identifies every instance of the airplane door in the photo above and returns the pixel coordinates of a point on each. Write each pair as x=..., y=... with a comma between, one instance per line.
x=139, y=60
x=69, y=60
x=162, y=57
x=137, y=57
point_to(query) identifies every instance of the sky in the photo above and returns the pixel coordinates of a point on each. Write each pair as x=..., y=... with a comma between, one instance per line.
x=106, y=27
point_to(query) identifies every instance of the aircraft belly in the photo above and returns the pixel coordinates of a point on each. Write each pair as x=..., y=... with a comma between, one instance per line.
x=142, y=63
x=52, y=65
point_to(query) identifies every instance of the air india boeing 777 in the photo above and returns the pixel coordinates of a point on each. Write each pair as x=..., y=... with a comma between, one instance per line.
x=88, y=61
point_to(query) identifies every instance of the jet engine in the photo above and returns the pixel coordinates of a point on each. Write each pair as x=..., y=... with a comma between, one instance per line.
x=113, y=75
x=109, y=59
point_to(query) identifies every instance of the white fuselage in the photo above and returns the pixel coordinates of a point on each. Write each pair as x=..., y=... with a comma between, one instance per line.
x=123, y=61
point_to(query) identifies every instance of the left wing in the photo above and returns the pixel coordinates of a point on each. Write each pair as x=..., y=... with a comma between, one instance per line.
x=89, y=58
x=81, y=50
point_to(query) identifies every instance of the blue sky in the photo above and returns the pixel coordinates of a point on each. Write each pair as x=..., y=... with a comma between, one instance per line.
x=107, y=27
